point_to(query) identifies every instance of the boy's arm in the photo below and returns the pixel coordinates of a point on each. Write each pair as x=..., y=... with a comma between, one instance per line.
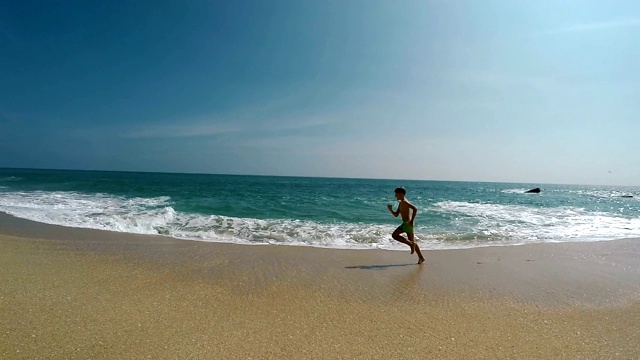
x=415, y=212
x=394, y=213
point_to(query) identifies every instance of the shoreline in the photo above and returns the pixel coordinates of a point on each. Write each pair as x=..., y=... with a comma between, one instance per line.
x=24, y=227
x=80, y=293
x=568, y=273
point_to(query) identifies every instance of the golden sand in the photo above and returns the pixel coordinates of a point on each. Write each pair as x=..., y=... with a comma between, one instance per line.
x=130, y=299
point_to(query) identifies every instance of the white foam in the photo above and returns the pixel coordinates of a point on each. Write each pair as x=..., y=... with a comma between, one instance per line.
x=521, y=224
x=99, y=211
x=605, y=194
x=157, y=216
x=514, y=191
x=473, y=224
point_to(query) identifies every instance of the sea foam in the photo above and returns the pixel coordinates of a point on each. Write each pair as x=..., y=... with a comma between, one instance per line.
x=468, y=224
x=156, y=216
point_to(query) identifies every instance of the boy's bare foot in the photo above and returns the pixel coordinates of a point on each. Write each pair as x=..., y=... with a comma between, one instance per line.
x=420, y=261
x=412, y=245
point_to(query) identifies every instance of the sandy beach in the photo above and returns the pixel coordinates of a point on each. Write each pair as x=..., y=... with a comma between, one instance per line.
x=77, y=294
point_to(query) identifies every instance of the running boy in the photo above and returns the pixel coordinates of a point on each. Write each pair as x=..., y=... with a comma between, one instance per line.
x=404, y=209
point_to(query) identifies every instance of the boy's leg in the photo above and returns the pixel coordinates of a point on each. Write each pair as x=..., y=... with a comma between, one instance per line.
x=416, y=248
x=396, y=236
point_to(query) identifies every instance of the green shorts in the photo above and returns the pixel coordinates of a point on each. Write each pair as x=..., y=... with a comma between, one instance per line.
x=406, y=227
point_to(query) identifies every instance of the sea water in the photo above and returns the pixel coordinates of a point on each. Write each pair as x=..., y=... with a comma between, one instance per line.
x=323, y=212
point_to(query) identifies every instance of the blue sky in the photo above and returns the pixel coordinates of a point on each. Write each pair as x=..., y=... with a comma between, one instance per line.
x=511, y=90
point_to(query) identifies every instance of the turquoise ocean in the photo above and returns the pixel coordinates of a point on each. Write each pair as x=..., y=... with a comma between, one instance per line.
x=322, y=212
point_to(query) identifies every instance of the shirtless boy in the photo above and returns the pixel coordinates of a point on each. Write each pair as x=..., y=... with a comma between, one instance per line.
x=408, y=216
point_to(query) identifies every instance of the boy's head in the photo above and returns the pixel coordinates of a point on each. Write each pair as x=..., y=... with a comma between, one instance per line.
x=400, y=193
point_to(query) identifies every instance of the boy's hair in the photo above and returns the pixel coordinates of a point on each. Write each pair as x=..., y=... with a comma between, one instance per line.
x=401, y=190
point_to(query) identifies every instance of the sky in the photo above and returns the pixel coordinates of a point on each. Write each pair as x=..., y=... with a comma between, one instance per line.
x=470, y=90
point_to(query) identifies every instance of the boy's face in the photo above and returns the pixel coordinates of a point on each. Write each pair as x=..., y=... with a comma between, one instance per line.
x=399, y=196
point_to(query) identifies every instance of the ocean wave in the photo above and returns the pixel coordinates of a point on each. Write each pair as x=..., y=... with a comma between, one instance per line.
x=606, y=194
x=463, y=224
x=96, y=211
x=10, y=178
x=156, y=216
x=514, y=191
x=522, y=224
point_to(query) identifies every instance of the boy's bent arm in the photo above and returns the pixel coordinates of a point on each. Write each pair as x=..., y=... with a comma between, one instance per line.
x=394, y=213
x=415, y=212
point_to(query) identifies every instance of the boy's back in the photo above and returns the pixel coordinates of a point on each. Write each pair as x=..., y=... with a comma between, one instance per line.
x=405, y=209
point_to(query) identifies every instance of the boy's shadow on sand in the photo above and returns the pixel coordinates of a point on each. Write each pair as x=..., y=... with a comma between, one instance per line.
x=378, y=267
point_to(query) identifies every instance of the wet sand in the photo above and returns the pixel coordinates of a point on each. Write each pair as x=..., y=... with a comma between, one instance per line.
x=75, y=293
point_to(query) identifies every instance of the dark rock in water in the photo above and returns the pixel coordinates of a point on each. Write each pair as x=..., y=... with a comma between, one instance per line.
x=532, y=191
x=627, y=196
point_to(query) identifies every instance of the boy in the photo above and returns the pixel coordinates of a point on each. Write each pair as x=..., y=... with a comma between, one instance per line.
x=404, y=209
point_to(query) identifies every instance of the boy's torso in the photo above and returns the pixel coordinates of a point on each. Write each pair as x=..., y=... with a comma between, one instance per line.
x=404, y=210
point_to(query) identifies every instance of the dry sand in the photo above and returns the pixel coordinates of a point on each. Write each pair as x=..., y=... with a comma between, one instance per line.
x=79, y=294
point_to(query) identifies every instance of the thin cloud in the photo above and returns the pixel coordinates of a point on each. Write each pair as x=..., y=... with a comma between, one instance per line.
x=181, y=131
x=606, y=25
x=188, y=129
x=503, y=80
x=268, y=117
